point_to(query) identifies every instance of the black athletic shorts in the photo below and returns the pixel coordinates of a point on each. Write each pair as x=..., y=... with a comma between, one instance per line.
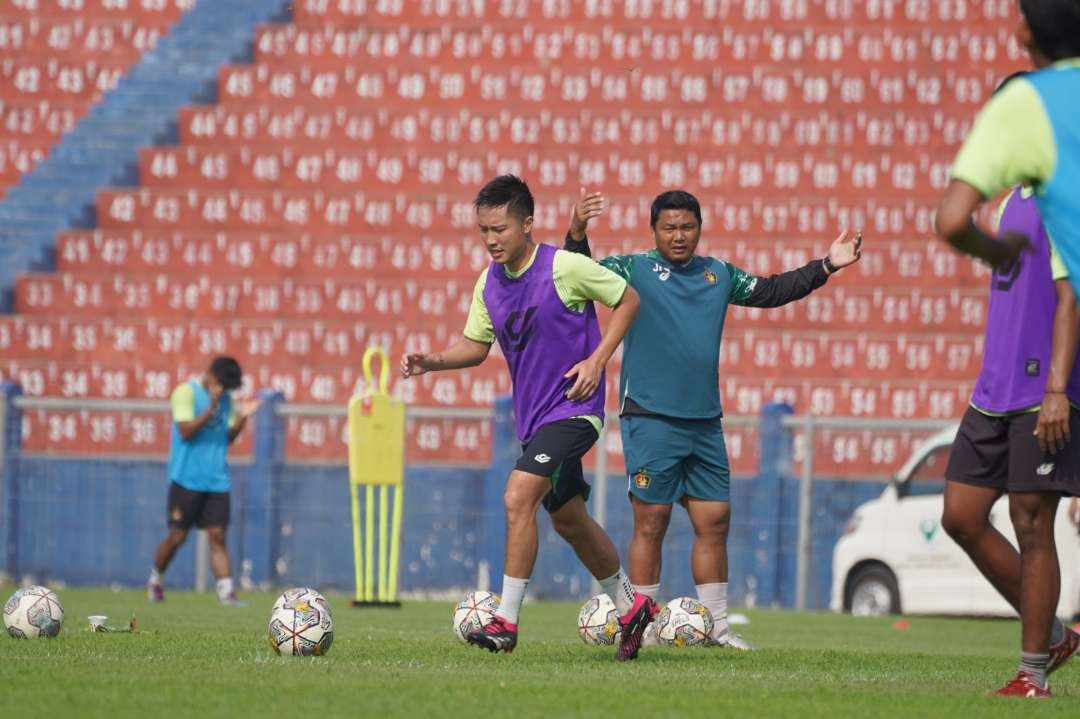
x=556, y=452
x=199, y=509
x=1002, y=453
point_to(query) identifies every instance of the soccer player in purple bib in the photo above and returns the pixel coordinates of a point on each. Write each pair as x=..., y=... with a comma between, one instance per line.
x=1018, y=435
x=537, y=303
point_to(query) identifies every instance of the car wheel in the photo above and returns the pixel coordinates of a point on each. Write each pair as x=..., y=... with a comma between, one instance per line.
x=872, y=592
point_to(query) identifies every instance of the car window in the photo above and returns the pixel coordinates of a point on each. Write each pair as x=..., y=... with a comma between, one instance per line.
x=929, y=475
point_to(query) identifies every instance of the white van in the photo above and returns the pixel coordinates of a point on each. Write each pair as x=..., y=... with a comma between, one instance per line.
x=894, y=556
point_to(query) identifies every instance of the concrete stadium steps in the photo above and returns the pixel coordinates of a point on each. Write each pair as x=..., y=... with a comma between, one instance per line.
x=140, y=10
x=423, y=297
x=329, y=166
x=887, y=265
x=600, y=127
x=80, y=33
x=764, y=353
x=747, y=215
x=453, y=44
x=656, y=13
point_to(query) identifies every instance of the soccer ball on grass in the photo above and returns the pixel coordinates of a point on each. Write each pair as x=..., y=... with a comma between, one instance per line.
x=473, y=612
x=301, y=624
x=598, y=621
x=684, y=622
x=33, y=612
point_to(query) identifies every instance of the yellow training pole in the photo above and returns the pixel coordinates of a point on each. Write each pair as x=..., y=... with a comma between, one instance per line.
x=358, y=561
x=384, y=518
x=369, y=550
x=395, y=546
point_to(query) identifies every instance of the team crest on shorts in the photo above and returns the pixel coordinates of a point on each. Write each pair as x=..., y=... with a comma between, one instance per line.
x=642, y=479
x=710, y=277
x=177, y=514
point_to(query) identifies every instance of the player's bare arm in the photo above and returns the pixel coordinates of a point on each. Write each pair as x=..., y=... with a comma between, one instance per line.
x=1052, y=428
x=956, y=226
x=588, y=371
x=463, y=353
x=188, y=429
x=244, y=411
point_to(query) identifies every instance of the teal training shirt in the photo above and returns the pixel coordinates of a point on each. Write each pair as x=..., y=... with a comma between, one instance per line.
x=671, y=354
x=199, y=463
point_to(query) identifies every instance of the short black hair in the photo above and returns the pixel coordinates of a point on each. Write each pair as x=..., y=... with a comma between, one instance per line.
x=674, y=200
x=226, y=370
x=1055, y=26
x=508, y=190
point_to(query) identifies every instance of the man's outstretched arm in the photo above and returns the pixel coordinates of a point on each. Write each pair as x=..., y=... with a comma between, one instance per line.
x=777, y=290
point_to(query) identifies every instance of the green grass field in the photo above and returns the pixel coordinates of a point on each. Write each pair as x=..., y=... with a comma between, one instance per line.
x=192, y=658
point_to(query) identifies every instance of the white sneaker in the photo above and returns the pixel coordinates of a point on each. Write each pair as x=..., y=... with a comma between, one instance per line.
x=155, y=593
x=732, y=640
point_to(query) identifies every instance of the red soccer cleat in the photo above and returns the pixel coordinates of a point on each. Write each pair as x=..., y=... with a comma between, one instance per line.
x=495, y=636
x=633, y=627
x=1023, y=686
x=1063, y=651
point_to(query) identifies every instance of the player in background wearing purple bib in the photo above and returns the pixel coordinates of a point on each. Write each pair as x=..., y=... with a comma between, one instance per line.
x=1026, y=134
x=537, y=303
x=1017, y=438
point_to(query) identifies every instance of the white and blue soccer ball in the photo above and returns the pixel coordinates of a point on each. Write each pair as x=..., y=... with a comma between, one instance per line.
x=683, y=622
x=33, y=612
x=473, y=612
x=301, y=624
x=598, y=622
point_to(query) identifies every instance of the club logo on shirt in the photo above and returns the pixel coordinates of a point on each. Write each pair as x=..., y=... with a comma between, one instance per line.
x=661, y=271
x=710, y=277
x=519, y=328
x=642, y=480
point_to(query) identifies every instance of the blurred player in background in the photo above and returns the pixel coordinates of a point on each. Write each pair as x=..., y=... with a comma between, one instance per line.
x=1027, y=134
x=673, y=440
x=205, y=422
x=1016, y=437
x=537, y=302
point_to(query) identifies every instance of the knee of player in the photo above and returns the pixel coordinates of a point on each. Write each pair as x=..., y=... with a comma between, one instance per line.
x=216, y=536
x=963, y=528
x=1029, y=523
x=651, y=527
x=177, y=535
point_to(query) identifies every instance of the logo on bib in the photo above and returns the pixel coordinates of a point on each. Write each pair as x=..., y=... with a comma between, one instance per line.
x=642, y=480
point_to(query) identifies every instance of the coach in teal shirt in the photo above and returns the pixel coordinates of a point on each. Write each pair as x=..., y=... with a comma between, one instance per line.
x=204, y=423
x=673, y=443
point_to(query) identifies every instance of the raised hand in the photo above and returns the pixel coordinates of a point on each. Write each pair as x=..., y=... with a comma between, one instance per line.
x=846, y=249
x=590, y=205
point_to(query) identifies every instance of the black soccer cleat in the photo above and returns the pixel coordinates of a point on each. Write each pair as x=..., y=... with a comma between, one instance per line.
x=495, y=636
x=633, y=628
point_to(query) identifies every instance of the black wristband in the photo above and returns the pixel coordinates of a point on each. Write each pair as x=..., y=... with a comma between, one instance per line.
x=829, y=266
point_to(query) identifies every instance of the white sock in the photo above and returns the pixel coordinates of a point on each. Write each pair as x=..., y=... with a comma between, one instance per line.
x=649, y=590
x=513, y=594
x=714, y=597
x=224, y=587
x=155, y=576
x=621, y=591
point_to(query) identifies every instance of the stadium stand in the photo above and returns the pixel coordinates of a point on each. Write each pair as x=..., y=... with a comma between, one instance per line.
x=322, y=202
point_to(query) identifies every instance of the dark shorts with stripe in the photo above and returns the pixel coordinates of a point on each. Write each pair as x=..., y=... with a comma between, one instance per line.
x=1002, y=453
x=556, y=452
x=189, y=509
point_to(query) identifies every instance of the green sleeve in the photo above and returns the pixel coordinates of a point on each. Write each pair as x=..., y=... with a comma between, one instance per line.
x=621, y=265
x=183, y=403
x=1057, y=267
x=234, y=417
x=578, y=279
x=478, y=326
x=742, y=283
x=1011, y=143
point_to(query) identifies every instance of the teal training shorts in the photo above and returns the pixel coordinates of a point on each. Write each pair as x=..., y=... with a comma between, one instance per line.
x=668, y=459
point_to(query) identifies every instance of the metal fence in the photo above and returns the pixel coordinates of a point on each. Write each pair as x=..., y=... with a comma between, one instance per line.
x=453, y=519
